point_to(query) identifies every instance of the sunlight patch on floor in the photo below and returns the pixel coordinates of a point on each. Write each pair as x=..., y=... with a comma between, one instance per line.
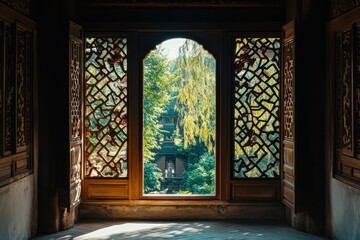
x=108, y=232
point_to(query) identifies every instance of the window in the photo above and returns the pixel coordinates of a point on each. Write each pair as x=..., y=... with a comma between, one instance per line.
x=106, y=107
x=157, y=117
x=179, y=109
x=256, y=108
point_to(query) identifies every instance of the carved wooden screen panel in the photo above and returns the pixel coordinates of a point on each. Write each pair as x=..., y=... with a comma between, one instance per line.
x=23, y=89
x=288, y=113
x=70, y=197
x=106, y=107
x=17, y=76
x=256, y=108
x=347, y=94
x=347, y=101
x=9, y=90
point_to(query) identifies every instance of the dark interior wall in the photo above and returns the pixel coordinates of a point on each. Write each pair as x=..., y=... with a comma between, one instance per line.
x=339, y=7
x=22, y=6
x=123, y=16
x=311, y=93
x=53, y=18
x=18, y=190
x=310, y=22
x=342, y=197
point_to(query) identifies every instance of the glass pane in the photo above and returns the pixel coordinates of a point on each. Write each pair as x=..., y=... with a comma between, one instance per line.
x=256, y=108
x=106, y=107
x=179, y=119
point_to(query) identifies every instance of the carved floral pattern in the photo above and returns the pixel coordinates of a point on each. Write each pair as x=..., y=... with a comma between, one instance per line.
x=9, y=103
x=20, y=85
x=347, y=123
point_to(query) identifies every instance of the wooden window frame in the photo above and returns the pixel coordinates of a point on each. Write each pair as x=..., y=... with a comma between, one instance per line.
x=242, y=189
x=227, y=188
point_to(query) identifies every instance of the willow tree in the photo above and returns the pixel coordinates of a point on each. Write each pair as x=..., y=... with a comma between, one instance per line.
x=196, y=107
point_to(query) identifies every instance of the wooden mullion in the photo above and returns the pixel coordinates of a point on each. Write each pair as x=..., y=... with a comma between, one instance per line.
x=135, y=179
x=224, y=133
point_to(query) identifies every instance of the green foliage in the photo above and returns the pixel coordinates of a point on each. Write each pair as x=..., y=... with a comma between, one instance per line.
x=186, y=86
x=152, y=177
x=196, y=107
x=200, y=176
x=157, y=93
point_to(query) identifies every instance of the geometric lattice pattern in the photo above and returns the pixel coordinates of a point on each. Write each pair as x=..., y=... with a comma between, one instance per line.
x=75, y=99
x=106, y=107
x=256, y=108
x=288, y=90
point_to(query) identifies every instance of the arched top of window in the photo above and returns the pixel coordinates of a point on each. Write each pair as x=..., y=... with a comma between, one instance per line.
x=174, y=48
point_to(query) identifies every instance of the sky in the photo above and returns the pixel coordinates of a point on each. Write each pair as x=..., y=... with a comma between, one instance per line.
x=171, y=46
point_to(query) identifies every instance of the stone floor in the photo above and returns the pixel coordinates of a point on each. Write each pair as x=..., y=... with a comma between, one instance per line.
x=104, y=229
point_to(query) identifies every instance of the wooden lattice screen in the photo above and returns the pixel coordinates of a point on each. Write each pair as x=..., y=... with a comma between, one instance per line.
x=256, y=108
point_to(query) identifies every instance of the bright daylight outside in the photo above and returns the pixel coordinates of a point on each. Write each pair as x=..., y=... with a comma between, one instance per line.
x=179, y=97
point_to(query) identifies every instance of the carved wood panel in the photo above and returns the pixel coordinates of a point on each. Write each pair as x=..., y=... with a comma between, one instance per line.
x=288, y=55
x=76, y=68
x=339, y=7
x=23, y=6
x=347, y=100
x=288, y=113
x=23, y=88
x=16, y=75
x=75, y=99
x=347, y=93
x=70, y=194
x=9, y=89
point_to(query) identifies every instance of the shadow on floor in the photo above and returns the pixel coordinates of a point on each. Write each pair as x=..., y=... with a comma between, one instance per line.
x=105, y=229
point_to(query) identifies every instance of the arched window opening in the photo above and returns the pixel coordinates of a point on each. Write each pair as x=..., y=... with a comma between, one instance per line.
x=179, y=119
